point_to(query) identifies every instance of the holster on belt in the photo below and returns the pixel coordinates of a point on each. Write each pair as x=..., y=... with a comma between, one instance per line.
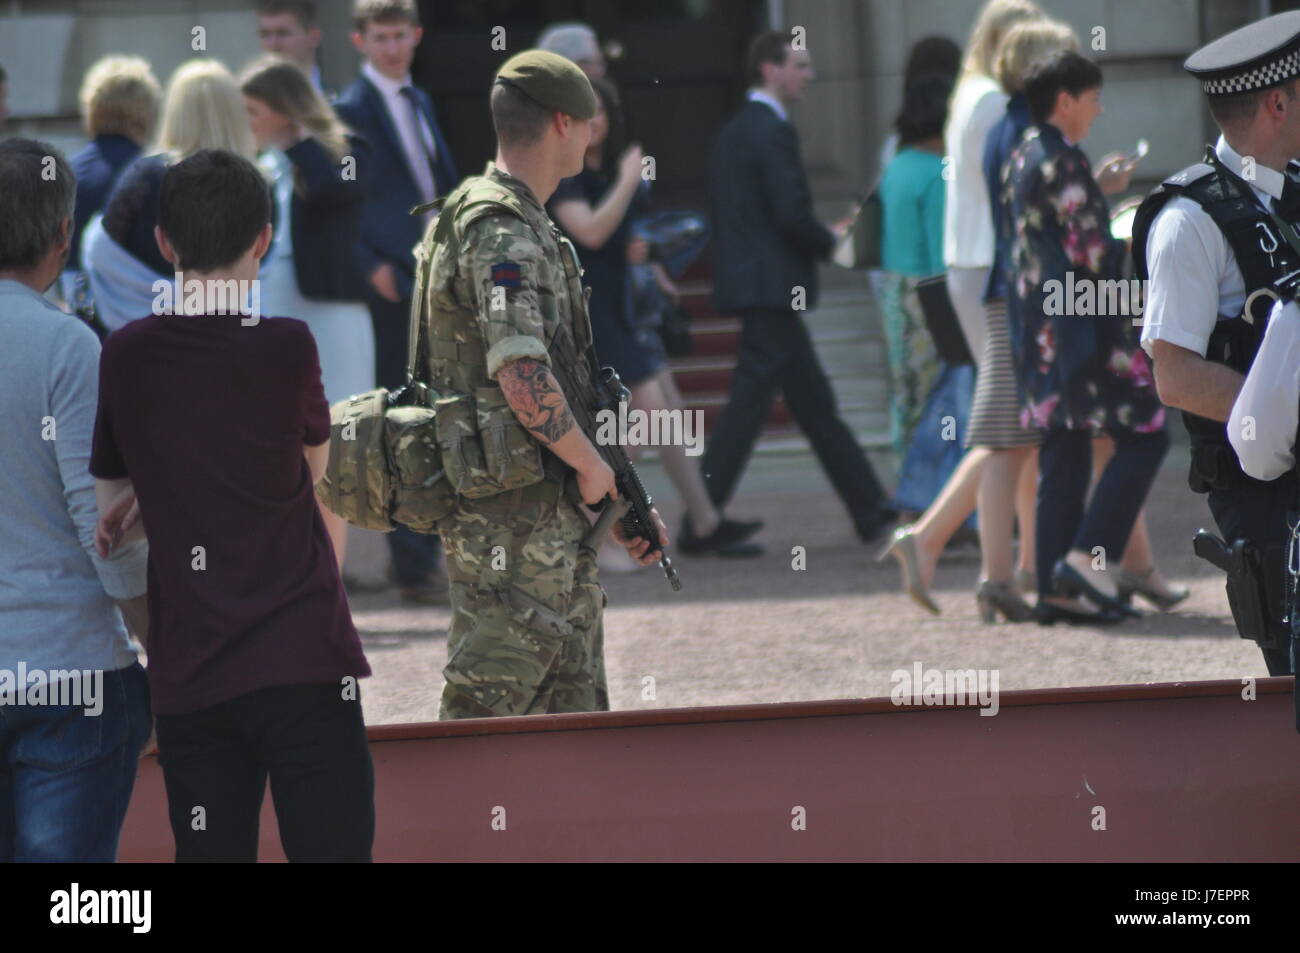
x=1256, y=612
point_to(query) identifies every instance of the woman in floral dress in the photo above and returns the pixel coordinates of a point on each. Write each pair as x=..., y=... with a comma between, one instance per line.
x=1079, y=374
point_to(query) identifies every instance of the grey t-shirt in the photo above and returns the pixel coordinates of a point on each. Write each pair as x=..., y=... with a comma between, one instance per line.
x=56, y=594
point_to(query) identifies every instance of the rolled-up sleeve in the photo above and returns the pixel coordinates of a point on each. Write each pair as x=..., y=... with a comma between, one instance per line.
x=1262, y=426
x=74, y=389
x=503, y=269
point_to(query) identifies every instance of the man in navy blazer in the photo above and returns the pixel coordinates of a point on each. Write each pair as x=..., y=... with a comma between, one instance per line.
x=410, y=165
x=768, y=243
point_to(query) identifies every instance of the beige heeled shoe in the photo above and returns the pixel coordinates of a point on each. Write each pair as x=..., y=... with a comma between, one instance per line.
x=1001, y=598
x=903, y=548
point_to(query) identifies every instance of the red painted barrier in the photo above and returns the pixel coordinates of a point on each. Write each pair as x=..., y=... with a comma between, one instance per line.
x=1183, y=772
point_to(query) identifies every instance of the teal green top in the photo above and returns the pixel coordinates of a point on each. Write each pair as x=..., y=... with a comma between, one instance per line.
x=912, y=193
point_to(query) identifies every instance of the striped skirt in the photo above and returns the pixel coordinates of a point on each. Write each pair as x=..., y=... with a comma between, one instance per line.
x=995, y=414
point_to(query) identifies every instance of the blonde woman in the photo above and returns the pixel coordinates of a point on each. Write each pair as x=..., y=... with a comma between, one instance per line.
x=119, y=107
x=999, y=470
x=202, y=109
x=977, y=103
x=313, y=274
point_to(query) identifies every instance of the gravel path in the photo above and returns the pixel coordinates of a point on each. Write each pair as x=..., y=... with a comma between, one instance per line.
x=760, y=631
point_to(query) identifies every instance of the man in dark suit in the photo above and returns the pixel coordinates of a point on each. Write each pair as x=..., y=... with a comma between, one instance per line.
x=767, y=246
x=410, y=165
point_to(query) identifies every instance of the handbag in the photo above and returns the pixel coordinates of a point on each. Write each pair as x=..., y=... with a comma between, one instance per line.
x=676, y=331
x=941, y=321
x=859, y=247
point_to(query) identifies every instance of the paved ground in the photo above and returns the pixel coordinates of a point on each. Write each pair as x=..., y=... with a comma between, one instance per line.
x=760, y=631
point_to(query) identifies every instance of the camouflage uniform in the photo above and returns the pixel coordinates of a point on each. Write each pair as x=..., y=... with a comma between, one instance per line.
x=526, y=633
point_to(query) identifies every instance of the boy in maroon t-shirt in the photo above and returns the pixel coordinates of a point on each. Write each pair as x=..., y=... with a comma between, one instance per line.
x=215, y=424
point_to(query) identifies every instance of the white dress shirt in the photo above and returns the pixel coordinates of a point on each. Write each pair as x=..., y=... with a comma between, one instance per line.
x=1262, y=425
x=1194, y=275
x=417, y=138
x=761, y=96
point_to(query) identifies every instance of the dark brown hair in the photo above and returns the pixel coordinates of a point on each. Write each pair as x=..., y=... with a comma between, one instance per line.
x=769, y=47
x=365, y=12
x=304, y=11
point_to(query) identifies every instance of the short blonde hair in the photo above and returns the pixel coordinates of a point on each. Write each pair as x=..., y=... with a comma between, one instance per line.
x=991, y=26
x=204, y=109
x=119, y=96
x=1026, y=42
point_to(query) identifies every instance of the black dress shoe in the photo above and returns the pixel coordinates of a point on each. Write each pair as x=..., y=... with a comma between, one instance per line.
x=1048, y=614
x=882, y=519
x=1068, y=581
x=728, y=539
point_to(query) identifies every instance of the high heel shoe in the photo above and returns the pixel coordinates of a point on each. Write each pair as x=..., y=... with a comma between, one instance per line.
x=994, y=598
x=1026, y=581
x=1129, y=583
x=1068, y=581
x=903, y=548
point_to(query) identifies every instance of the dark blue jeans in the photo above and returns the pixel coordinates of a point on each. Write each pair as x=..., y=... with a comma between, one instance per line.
x=66, y=776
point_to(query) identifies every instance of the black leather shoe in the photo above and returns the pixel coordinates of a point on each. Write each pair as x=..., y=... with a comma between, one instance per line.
x=882, y=519
x=1068, y=581
x=728, y=539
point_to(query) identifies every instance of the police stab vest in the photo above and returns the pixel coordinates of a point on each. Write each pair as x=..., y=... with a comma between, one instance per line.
x=1263, y=254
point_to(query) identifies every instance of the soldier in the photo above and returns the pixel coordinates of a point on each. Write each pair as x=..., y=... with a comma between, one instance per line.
x=504, y=298
x=1213, y=239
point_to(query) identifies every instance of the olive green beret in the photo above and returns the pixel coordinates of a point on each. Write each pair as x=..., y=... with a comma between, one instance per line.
x=550, y=80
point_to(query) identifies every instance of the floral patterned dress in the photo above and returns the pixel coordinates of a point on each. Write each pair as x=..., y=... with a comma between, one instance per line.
x=1076, y=371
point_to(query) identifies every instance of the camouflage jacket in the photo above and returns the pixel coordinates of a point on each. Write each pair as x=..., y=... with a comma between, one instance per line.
x=500, y=285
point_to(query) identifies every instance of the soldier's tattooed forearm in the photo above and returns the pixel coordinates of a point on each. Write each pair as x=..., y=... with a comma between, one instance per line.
x=534, y=395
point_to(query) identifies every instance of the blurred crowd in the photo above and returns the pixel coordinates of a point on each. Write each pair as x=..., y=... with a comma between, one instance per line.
x=987, y=184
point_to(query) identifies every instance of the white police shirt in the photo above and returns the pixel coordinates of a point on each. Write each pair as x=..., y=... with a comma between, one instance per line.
x=1194, y=276
x=1262, y=424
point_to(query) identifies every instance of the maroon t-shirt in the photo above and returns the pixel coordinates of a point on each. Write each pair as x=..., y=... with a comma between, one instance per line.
x=208, y=417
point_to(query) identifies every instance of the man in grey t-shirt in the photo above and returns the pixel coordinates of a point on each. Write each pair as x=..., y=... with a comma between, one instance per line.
x=74, y=701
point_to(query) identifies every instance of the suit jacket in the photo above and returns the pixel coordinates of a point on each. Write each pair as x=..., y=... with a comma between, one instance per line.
x=388, y=230
x=768, y=240
x=326, y=222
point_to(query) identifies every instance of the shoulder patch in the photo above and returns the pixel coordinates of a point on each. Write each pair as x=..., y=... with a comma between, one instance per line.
x=506, y=274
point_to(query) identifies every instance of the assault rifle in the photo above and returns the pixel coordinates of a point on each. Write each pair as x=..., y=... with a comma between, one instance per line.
x=590, y=390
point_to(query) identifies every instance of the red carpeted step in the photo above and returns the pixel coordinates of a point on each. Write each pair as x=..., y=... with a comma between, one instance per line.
x=716, y=337
x=702, y=374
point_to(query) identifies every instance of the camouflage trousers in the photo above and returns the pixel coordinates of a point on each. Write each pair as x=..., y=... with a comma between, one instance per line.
x=526, y=630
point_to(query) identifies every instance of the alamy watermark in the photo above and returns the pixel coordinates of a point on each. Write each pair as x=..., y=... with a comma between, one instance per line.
x=209, y=296
x=80, y=687
x=651, y=428
x=946, y=686
x=1094, y=297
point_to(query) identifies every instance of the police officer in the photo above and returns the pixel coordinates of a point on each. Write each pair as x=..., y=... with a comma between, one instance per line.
x=1212, y=239
x=1264, y=424
x=503, y=300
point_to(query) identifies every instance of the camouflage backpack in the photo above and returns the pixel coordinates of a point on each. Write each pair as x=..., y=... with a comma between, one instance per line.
x=404, y=458
x=385, y=468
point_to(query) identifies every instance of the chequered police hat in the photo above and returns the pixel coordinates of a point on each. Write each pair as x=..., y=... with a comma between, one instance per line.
x=1257, y=56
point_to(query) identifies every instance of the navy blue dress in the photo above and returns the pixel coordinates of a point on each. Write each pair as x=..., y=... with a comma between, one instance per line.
x=605, y=271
